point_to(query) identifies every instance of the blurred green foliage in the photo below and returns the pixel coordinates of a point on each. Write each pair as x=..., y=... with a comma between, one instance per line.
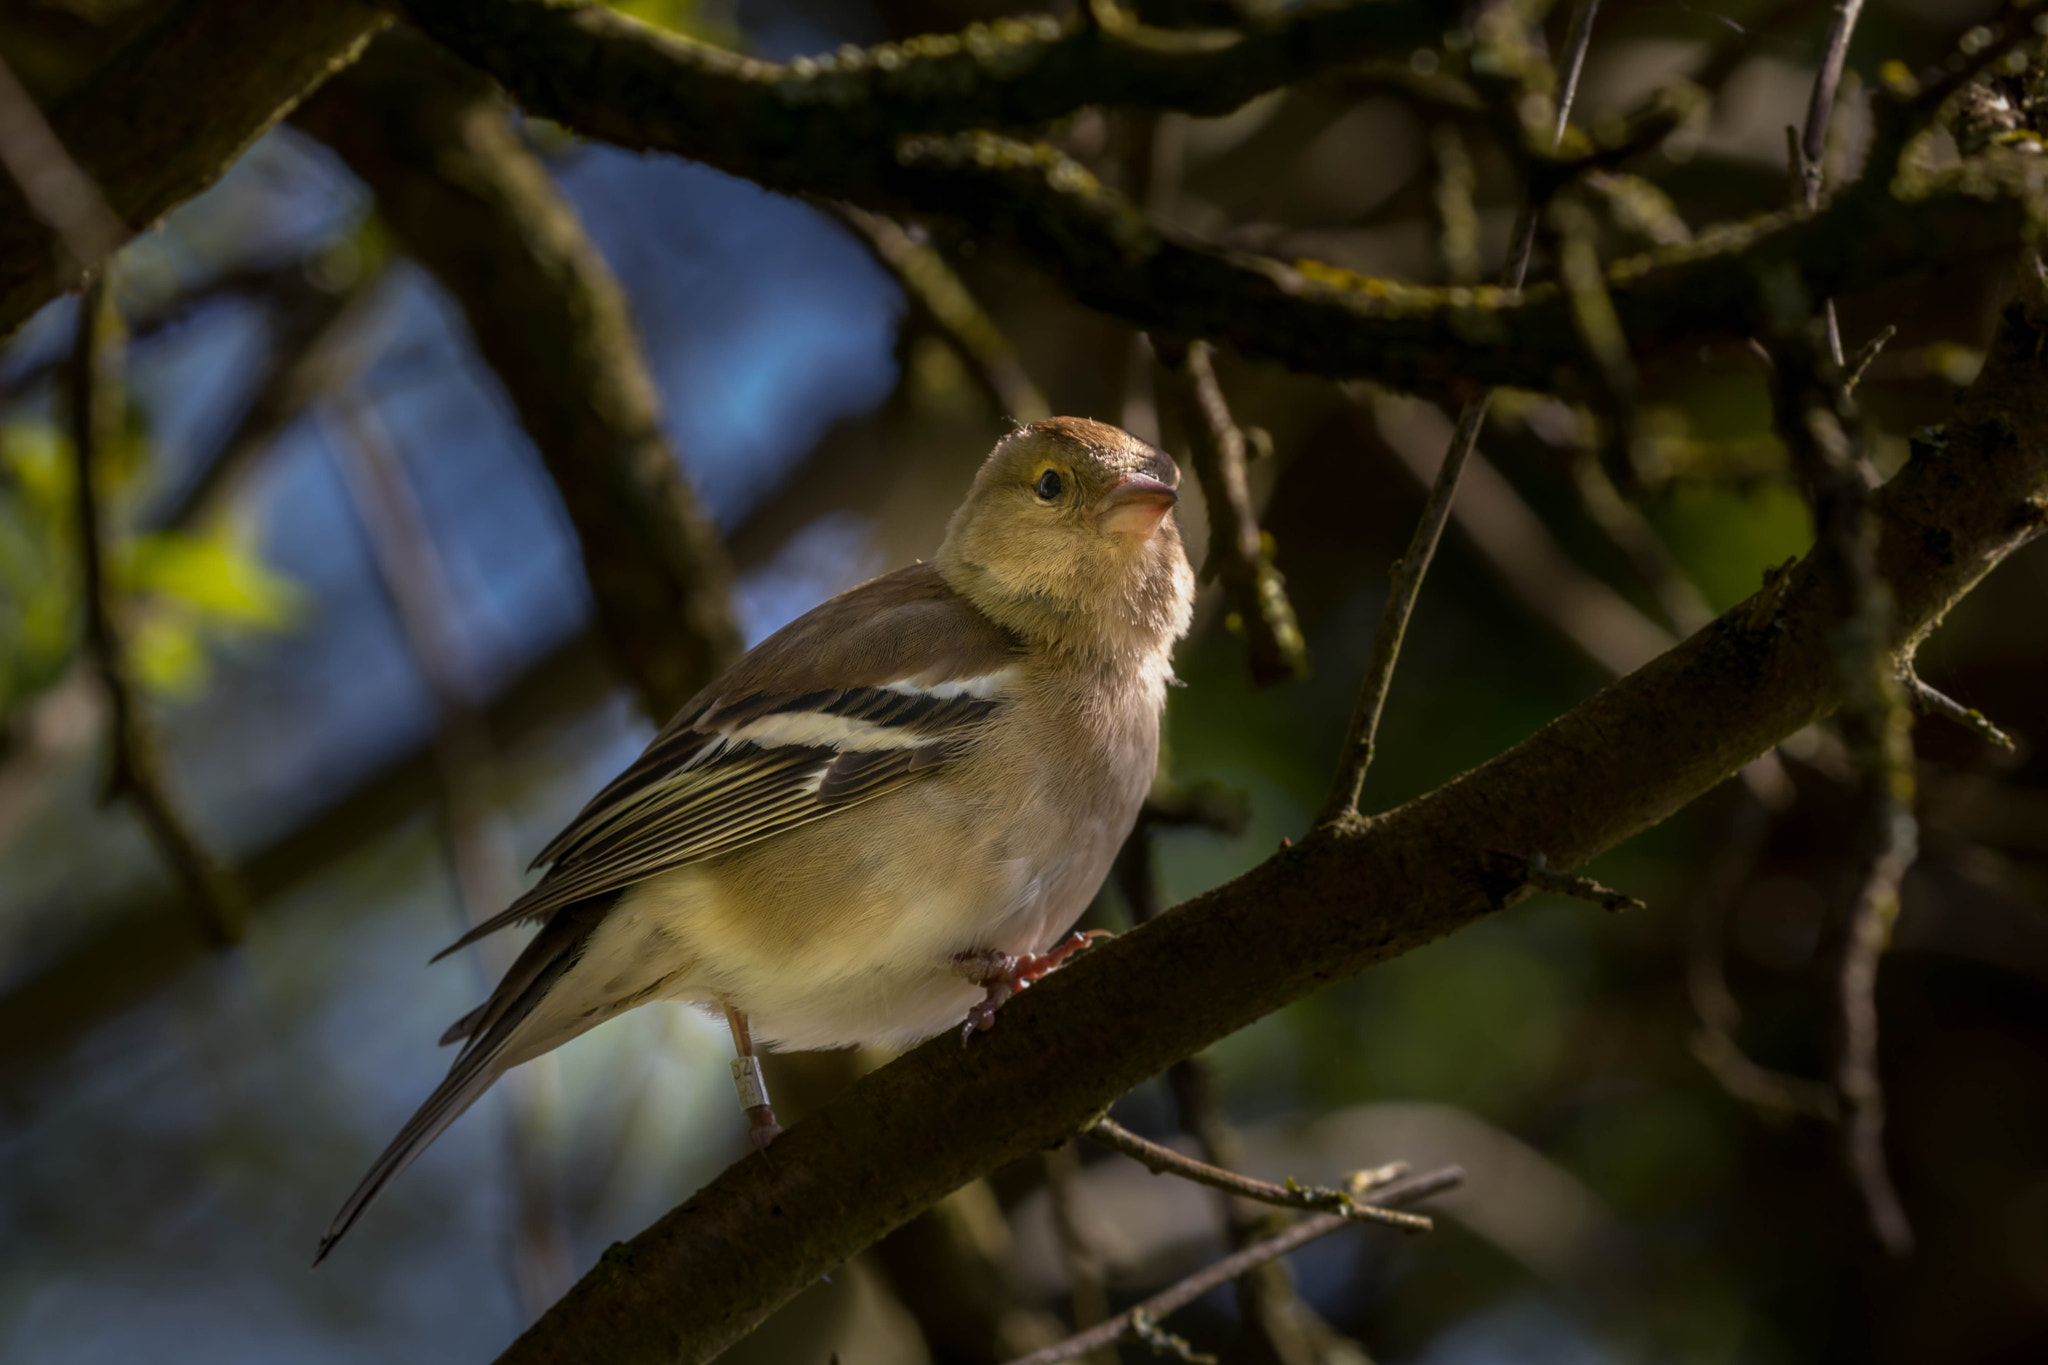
x=190, y=588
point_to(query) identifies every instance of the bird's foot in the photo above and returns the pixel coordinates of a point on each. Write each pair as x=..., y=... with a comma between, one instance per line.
x=762, y=1128
x=1002, y=975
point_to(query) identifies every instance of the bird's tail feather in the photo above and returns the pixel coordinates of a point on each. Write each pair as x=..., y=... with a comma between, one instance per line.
x=542, y=965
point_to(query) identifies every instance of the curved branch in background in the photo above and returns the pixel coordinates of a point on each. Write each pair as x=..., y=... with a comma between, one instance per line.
x=475, y=206
x=139, y=129
x=1349, y=895
x=848, y=107
x=568, y=64
x=135, y=772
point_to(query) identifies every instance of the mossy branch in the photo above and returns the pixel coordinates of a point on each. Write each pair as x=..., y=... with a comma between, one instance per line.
x=605, y=77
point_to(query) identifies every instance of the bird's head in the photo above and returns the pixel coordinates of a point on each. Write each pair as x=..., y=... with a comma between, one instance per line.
x=1068, y=535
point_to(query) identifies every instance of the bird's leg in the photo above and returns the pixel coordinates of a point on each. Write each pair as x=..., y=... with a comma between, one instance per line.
x=1002, y=975
x=746, y=1075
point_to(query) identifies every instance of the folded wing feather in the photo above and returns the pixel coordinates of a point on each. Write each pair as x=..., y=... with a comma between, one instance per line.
x=875, y=688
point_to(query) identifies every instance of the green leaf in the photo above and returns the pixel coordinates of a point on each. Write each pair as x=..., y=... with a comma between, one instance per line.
x=215, y=577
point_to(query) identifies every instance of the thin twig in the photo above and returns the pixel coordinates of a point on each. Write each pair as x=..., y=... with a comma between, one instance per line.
x=1866, y=353
x=1811, y=150
x=940, y=294
x=1161, y=1160
x=1534, y=871
x=1929, y=702
x=1239, y=551
x=136, y=770
x=1820, y=105
x=1229, y=1268
x=1404, y=583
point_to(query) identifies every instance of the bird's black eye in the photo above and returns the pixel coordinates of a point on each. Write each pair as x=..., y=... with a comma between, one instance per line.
x=1049, y=485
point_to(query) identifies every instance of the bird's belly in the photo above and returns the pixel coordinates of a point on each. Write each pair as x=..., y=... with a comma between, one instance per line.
x=826, y=945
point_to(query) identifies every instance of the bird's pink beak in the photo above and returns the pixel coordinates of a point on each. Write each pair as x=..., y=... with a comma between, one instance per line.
x=1136, y=506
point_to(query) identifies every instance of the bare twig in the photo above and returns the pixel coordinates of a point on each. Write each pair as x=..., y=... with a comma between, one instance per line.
x=1866, y=353
x=1929, y=702
x=1161, y=1160
x=1404, y=584
x=1239, y=551
x=1820, y=104
x=1535, y=871
x=136, y=770
x=940, y=294
x=410, y=571
x=1229, y=1268
x=58, y=192
x=1809, y=152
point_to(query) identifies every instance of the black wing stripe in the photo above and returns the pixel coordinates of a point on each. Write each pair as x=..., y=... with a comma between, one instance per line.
x=736, y=772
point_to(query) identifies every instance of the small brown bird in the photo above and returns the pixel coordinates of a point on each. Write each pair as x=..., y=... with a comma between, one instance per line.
x=883, y=821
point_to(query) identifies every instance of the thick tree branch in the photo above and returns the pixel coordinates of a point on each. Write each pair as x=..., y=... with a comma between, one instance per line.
x=1347, y=896
x=478, y=209
x=604, y=77
x=168, y=113
x=849, y=107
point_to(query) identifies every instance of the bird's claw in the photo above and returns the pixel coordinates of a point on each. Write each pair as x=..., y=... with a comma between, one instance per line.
x=1002, y=975
x=763, y=1129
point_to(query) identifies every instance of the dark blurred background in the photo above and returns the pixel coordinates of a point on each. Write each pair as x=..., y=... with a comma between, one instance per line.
x=177, y=1124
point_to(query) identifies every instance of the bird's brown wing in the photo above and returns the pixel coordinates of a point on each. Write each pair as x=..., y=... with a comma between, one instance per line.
x=875, y=688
